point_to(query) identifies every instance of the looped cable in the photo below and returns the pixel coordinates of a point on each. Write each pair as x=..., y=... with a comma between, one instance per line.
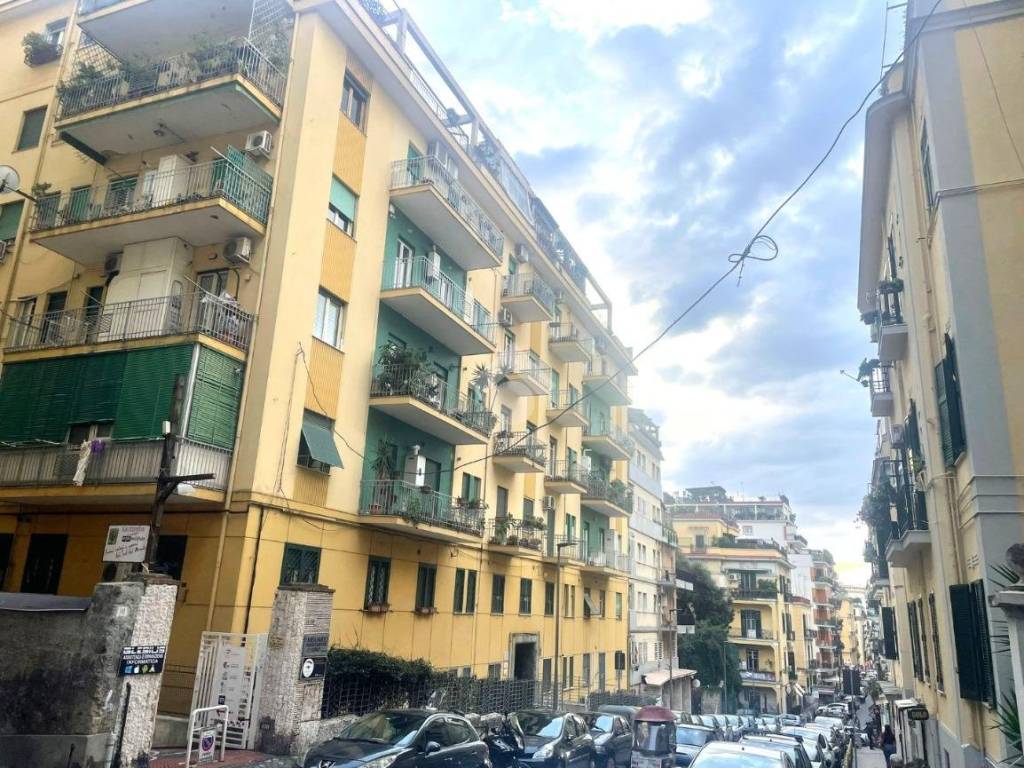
x=770, y=253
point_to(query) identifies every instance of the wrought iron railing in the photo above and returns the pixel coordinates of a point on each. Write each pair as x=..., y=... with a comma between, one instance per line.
x=422, y=272
x=757, y=674
x=110, y=461
x=428, y=388
x=879, y=383
x=568, y=400
x=741, y=593
x=559, y=333
x=198, y=312
x=751, y=633
x=523, y=443
x=510, y=532
x=418, y=503
x=600, y=369
x=525, y=362
x=232, y=57
x=613, y=433
x=155, y=189
x=528, y=284
x=430, y=170
x=567, y=471
x=600, y=487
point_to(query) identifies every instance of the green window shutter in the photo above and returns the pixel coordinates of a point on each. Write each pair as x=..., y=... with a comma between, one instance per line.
x=889, y=633
x=343, y=199
x=942, y=401
x=215, y=399
x=10, y=216
x=99, y=388
x=966, y=639
x=18, y=389
x=146, y=390
x=318, y=434
x=984, y=649
x=957, y=438
x=54, y=398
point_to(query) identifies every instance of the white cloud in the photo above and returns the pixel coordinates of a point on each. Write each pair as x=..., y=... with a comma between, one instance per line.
x=595, y=19
x=698, y=77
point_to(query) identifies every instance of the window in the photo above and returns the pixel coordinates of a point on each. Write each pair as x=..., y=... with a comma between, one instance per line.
x=43, y=563
x=341, y=209
x=10, y=217
x=752, y=660
x=602, y=603
x=55, y=31
x=926, y=169
x=378, y=576
x=925, y=660
x=494, y=671
x=545, y=675
x=23, y=325
x=587, y=603
x=527, y=508
x=353, y=102
x=933, y=618
x=329, y=322
x=618, y=606
x=6, y=544
x=52, y=327
x=915, y=640
x=555, y=384
x=317, y=450
x=31, y=128
x=300, y=565
x=947, y=391
x=86, y=433
x=549, y=598
x=470, y=487
x=465, y=591
x=501, y=510
x=170, y=556
x=497, y=593
x=426, y=578
x=973, y=645
x=525, y=596
x=586, y=669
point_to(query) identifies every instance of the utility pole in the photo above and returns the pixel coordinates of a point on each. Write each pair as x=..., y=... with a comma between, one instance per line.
x=559, y=545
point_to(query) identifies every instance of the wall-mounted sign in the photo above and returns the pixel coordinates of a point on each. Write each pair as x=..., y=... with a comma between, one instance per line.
x=917, y=713
x=312, y=667
x=126, y=544
x=142, y=660
x=314, y=644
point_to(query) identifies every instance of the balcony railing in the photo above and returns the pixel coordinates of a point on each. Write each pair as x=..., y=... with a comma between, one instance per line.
x=524, y=444
x=565, y=471
x=754, y=594
x=568, y=400
x=199, y=312
x=106, y=462
x=756, y=674
x=510, y=532
x=600, y=367
x=878, y=383
x=418, y=503
x=525, y=362
x=430, y=389
x=158, y=189
x=423, y=273
x=565, y=332
x=617, y=493
x=613, y=433
x=528, y=284
x=751, y=634
x=430, y=170
x=232, y=57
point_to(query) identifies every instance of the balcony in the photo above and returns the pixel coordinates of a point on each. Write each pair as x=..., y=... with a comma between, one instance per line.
x=880, y=391
x=609, y=441
x=113, y=471
x=756, y=676
x=427, y=192
x=611, y=498
x=744, y=594
x=563, y=477
x=398, y=506
x=202, y=204
x=605, y=562
x=751, y=635
x=230, y=87
x=411, y=394
x=910, y=535
x=890, y=329
x=519, y=452
x=528, y=298
x=439, y=306
x=612, y=386
x=192, y=313
x=515, y=537
x=566, y=343
x=523, y=374
x=565, y=409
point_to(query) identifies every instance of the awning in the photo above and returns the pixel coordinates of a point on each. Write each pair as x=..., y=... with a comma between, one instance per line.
x=659, y=677
x=907, y=703
x=591, y=607
x=798, y=690
x=319, y=437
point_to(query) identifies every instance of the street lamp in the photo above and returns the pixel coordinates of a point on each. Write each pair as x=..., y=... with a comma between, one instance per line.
x=559, y=546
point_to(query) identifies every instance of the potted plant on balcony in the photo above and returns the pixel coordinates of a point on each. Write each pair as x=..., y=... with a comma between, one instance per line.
x=39, y=49
x=894, y=285
x=500, y=530
x=865, y=369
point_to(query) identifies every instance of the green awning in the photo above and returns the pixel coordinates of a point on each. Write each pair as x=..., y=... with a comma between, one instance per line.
x=343, y=199
x=10, y=215
x=318, y=433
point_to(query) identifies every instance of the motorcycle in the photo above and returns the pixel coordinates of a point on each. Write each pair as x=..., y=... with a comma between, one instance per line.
x=503, y=737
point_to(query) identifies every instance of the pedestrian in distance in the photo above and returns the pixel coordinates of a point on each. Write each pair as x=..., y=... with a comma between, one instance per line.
x=888, y=745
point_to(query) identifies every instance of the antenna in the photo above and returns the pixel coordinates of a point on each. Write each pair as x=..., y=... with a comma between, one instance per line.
x=10, y=181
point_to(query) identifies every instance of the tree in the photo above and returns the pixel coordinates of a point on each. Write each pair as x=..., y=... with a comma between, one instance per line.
x=703, y=651
x=709, y=603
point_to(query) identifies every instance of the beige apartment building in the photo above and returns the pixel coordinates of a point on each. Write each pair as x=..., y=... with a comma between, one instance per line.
x=400, y=375
x=940, y=281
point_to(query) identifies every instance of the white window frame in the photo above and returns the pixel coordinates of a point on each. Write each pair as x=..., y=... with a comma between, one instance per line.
x=326, y=300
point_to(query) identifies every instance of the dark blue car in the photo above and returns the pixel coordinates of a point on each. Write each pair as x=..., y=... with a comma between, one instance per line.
x=689, y=741
x=555, y=740
x=407, y=738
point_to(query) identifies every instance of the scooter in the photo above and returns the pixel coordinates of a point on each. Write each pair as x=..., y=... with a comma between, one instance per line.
x=503, y=737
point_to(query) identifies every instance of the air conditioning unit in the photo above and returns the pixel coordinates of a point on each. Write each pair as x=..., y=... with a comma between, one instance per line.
x=439, y=152
x=505, y=317
x=734, y=577
x=112, y=264
x=521, y=253
x=238, y=251
x=416, y=469
x=433, y=264
x=896, y=435
x=548, y=503
x=259, y=143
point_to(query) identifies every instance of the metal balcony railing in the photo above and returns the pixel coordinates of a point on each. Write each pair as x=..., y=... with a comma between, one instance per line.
x=521, y=443
x=232, y=57
x=418, y=503
x=564, y=332
x=751, y=633
x=418, y=382
x=156, y=189
x=568, y=400
x=528, y=284
x=105, y=462
x=511, y=532
x=525, y=362
x=422, y=272
x=599, y=367
x=878, y=383
x=740, y=593
x=430, y=170
x=613, y=433
x=566, y=471
x=757, y=674
x=198, y=312
x=618, y=493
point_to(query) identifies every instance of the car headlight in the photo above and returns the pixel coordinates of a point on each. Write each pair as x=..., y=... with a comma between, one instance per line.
x=545, y=751
x=381, y=762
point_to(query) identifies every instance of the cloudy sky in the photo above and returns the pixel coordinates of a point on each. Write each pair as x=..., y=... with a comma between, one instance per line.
x=660, y=133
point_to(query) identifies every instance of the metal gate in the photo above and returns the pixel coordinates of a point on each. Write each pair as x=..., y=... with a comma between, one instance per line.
x=228, y=672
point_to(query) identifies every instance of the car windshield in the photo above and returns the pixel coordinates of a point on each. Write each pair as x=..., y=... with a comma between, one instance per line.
x=398, y=728
x=601, y=723
x=789, y=749
x=540, y=724
x=654, y=737
x=691, y=736
x=733, y=759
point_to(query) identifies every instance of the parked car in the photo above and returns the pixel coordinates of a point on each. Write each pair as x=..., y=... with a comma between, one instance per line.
x=555, y=740
x=708, y=721
x=814, y=741
x=790, y=718
x=792, y=747
x=612, y=736
x=736, y=724
x=719, y=754
x=689, y=741
x=623, y=710
x=683, y=717
x=404, y=738
x=834, y=722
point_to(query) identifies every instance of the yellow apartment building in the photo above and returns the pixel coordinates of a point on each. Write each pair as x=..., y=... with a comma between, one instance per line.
x=940, y=282
x=400, y=375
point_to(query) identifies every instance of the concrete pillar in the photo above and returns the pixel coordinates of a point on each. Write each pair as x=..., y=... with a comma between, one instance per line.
x=293, y=686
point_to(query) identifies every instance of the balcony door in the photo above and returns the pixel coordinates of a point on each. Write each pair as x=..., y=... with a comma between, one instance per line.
x=403, y=265
x=44, y=563
x=750, y=621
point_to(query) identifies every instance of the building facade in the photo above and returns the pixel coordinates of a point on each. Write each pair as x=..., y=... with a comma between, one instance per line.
x=379, y=349
x=938, y=281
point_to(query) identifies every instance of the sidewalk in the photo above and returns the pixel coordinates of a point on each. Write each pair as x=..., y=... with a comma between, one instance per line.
x=236, y=758
x=869, y=758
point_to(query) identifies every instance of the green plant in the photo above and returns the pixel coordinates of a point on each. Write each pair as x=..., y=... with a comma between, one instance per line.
x=865, y=369
x=1008, y=720
x=876, y=508
x=210, y=56
x=381, y=462
x=890, y=286
x=39, y=49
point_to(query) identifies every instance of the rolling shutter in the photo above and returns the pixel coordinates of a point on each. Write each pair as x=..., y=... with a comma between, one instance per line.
x=147, y=388
x=215, y=397
x=53, y=398
x=343, y=199
x=10, y=216
x=98, y=388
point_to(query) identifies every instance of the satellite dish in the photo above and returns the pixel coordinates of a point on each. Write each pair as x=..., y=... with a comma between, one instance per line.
x=10, y=181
